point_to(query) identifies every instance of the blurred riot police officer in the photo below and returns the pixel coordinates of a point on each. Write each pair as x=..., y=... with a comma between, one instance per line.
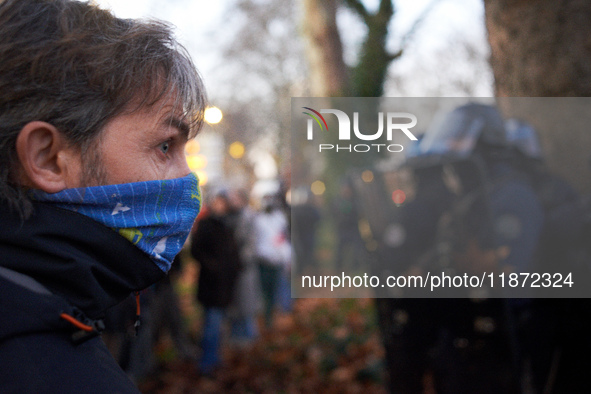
x=554, y=333
x=474, y=211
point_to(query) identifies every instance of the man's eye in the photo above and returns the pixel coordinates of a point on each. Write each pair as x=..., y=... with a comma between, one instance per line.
x=164, y=147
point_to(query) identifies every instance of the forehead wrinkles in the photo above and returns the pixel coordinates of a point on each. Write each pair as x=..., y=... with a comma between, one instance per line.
x=181, y=88
x=171, y=109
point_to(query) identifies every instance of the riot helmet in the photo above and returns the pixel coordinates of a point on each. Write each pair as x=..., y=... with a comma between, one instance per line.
x=458, y=132
x=524, y=138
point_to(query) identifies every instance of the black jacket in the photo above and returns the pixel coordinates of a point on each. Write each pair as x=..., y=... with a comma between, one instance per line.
x=59, y=271
x=214, y=247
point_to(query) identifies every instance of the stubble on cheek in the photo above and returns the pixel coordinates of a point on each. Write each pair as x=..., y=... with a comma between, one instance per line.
x=93, y=169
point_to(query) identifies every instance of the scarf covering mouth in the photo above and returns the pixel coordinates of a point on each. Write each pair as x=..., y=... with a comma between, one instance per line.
x=156, y=216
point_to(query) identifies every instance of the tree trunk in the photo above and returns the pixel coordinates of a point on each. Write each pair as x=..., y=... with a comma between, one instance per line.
x=543, y=49
x=370, y=73
x=540, y=48
x=328, y=73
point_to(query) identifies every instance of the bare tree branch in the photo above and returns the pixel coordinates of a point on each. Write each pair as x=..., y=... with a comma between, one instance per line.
x=395, y=55
x=357, y=6
x=386, y=8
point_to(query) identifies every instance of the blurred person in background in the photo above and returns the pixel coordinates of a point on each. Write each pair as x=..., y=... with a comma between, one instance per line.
x=495, y=209
x=350, y=250
x=97, y=198
x=554, y=333
x=304, y=223
x=272, y=251
x=216, y=250
x=247, y=301
x=475, y=211
x=410, y=326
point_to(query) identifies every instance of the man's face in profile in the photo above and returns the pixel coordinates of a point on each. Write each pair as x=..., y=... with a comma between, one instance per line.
x=144, y=145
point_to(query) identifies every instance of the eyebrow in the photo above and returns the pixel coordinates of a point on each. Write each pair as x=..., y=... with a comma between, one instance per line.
x=180, y=124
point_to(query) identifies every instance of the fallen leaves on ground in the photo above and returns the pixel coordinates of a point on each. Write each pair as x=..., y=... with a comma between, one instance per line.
x=323, y=345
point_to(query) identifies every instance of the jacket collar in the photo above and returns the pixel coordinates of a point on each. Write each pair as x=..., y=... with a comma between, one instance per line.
x=73, y=256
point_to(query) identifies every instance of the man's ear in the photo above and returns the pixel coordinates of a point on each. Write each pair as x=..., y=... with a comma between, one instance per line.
x=47, y=161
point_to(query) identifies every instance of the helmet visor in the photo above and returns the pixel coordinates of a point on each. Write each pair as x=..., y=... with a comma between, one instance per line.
x=454, y=134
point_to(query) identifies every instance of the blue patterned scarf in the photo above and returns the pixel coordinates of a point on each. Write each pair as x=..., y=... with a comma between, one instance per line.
x=156, y=216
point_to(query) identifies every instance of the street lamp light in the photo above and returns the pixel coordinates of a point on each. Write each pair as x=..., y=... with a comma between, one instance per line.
x=213, y=115
x=201, y=163
x=236, y=150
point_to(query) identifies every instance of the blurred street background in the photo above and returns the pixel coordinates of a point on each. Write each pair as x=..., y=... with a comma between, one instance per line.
x=255, y=55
